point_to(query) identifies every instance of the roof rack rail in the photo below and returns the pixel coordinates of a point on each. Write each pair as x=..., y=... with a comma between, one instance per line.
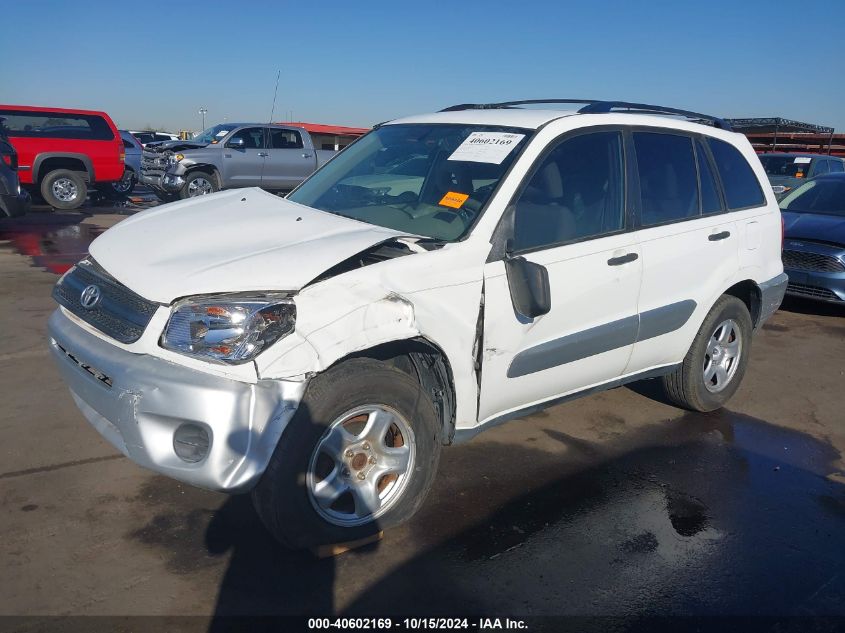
x=597, y=106
x=504, y=105
x=604, y=107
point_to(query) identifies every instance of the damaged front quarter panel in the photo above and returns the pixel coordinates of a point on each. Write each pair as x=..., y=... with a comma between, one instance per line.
x=365, y=317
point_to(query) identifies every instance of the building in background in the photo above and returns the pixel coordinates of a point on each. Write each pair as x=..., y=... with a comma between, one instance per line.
x=783, y=135
x=334, y=137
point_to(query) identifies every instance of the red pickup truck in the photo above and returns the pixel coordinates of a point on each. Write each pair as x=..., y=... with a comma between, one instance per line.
x=63, y=152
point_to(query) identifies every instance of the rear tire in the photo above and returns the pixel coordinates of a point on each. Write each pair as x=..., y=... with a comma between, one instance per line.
x=64, y=189
x=198, y=183
x=715, y=364
x=322, y=452
x=124, y=186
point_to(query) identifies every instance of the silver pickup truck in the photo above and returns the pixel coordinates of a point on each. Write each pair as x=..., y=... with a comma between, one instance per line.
x=232, y=155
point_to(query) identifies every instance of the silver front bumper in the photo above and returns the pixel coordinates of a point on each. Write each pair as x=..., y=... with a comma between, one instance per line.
x=137, y=402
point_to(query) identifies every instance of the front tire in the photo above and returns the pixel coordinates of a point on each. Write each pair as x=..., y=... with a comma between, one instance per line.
x=64, y=189
x=198, y=183
x=715, y=364
x=359, y=456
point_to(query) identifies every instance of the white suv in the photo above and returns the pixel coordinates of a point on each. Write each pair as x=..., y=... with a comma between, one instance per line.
x=443, y=274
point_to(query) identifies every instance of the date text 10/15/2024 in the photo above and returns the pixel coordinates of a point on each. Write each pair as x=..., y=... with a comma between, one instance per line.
x=414, y=624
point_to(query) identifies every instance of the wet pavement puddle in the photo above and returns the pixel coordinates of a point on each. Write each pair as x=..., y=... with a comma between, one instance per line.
x=709, y=514
x=55, y=241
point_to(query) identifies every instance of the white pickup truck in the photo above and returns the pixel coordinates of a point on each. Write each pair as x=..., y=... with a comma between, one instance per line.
x=443, y=274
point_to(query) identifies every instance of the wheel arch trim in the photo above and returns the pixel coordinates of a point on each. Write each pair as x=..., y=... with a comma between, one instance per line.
x=45, y=156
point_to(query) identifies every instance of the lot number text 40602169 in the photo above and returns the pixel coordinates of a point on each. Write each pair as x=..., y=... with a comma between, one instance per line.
x=414, y=624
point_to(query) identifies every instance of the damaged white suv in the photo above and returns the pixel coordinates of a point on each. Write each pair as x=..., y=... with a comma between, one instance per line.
x=443, y=274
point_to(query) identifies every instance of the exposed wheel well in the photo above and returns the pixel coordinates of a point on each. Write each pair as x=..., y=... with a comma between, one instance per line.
x=425, y=362
x=749, y=293
x=209, y=169
x=62, y=162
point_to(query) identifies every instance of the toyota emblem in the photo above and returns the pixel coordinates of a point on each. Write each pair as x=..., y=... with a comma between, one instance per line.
x=90, y=297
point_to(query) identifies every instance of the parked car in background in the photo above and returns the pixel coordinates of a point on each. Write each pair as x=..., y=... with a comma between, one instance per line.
x=230, y=155
x=787, y=171
x=132, y=164
x=320, y=349
x=814, y=248
x=14, y=201
x=63, y=152
x=154, y=137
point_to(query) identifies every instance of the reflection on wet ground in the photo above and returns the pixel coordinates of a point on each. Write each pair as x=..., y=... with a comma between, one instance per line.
x=57, y=240
x=716, y=514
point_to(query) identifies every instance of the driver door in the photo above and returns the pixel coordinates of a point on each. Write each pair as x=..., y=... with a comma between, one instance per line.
x=569, y=218
x=242, y=166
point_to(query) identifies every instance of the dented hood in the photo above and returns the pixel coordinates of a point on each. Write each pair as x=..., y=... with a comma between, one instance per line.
x=233, y=241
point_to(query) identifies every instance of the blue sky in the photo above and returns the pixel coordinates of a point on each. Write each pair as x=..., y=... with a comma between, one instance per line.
x=357, y=63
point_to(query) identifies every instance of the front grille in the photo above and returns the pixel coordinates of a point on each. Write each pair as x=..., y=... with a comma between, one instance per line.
x=153, y=164
x=813, y=292
x=120, y=313
x=816, y=262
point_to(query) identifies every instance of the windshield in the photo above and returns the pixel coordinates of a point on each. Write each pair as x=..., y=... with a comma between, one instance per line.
x=825, y=195
x=214, y=134
x=789, y=166
x=423, y=179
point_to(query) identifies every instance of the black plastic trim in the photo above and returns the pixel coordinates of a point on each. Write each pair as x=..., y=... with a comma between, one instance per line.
x=464, y=435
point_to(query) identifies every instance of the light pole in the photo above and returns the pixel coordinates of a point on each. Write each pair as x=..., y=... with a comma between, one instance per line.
x=203, y=112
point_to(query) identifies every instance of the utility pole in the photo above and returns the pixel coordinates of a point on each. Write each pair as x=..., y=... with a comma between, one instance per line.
x=203, y=111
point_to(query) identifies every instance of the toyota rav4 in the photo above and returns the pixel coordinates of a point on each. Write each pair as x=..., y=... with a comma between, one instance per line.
x=443, y=274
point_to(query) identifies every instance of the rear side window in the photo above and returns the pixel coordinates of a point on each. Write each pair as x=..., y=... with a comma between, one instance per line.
x=741, y=187
x=23, y=124
x=127, y=144
x=836, y=167
x=668, y=178
x=285, y=139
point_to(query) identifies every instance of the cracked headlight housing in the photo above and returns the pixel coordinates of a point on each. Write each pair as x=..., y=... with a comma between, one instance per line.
x=228, y=329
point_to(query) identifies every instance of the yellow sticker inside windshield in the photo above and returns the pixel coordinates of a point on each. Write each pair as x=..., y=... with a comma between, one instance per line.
x=454, y=200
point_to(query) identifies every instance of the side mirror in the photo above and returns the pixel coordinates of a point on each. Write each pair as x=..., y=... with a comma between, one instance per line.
x=529, y=285
x=236, y=143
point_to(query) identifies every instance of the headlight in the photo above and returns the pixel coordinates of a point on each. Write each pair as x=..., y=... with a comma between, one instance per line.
x=175, y=158
x=229, y=329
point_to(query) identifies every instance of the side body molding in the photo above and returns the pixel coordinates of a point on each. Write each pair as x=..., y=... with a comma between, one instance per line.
x=602, y=338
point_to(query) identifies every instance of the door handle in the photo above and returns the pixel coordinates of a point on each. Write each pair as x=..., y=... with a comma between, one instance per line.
x=715, y=237
x=306, y=156
x=263, y=154
x=624, y=259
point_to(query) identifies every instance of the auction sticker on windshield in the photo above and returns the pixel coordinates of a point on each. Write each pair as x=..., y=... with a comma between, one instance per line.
x=454, y=200
x=486, y=147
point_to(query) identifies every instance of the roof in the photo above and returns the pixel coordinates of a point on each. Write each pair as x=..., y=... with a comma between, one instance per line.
x=320, y=128
x=511, y=117
x=24, y=108
x=533, y=119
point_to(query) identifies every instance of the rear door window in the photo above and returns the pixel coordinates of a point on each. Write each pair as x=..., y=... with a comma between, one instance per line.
x=836, y=166
x=285, y=139
x=668, y=177
x=23, y=124
x=742, y=190
x=710, y=200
